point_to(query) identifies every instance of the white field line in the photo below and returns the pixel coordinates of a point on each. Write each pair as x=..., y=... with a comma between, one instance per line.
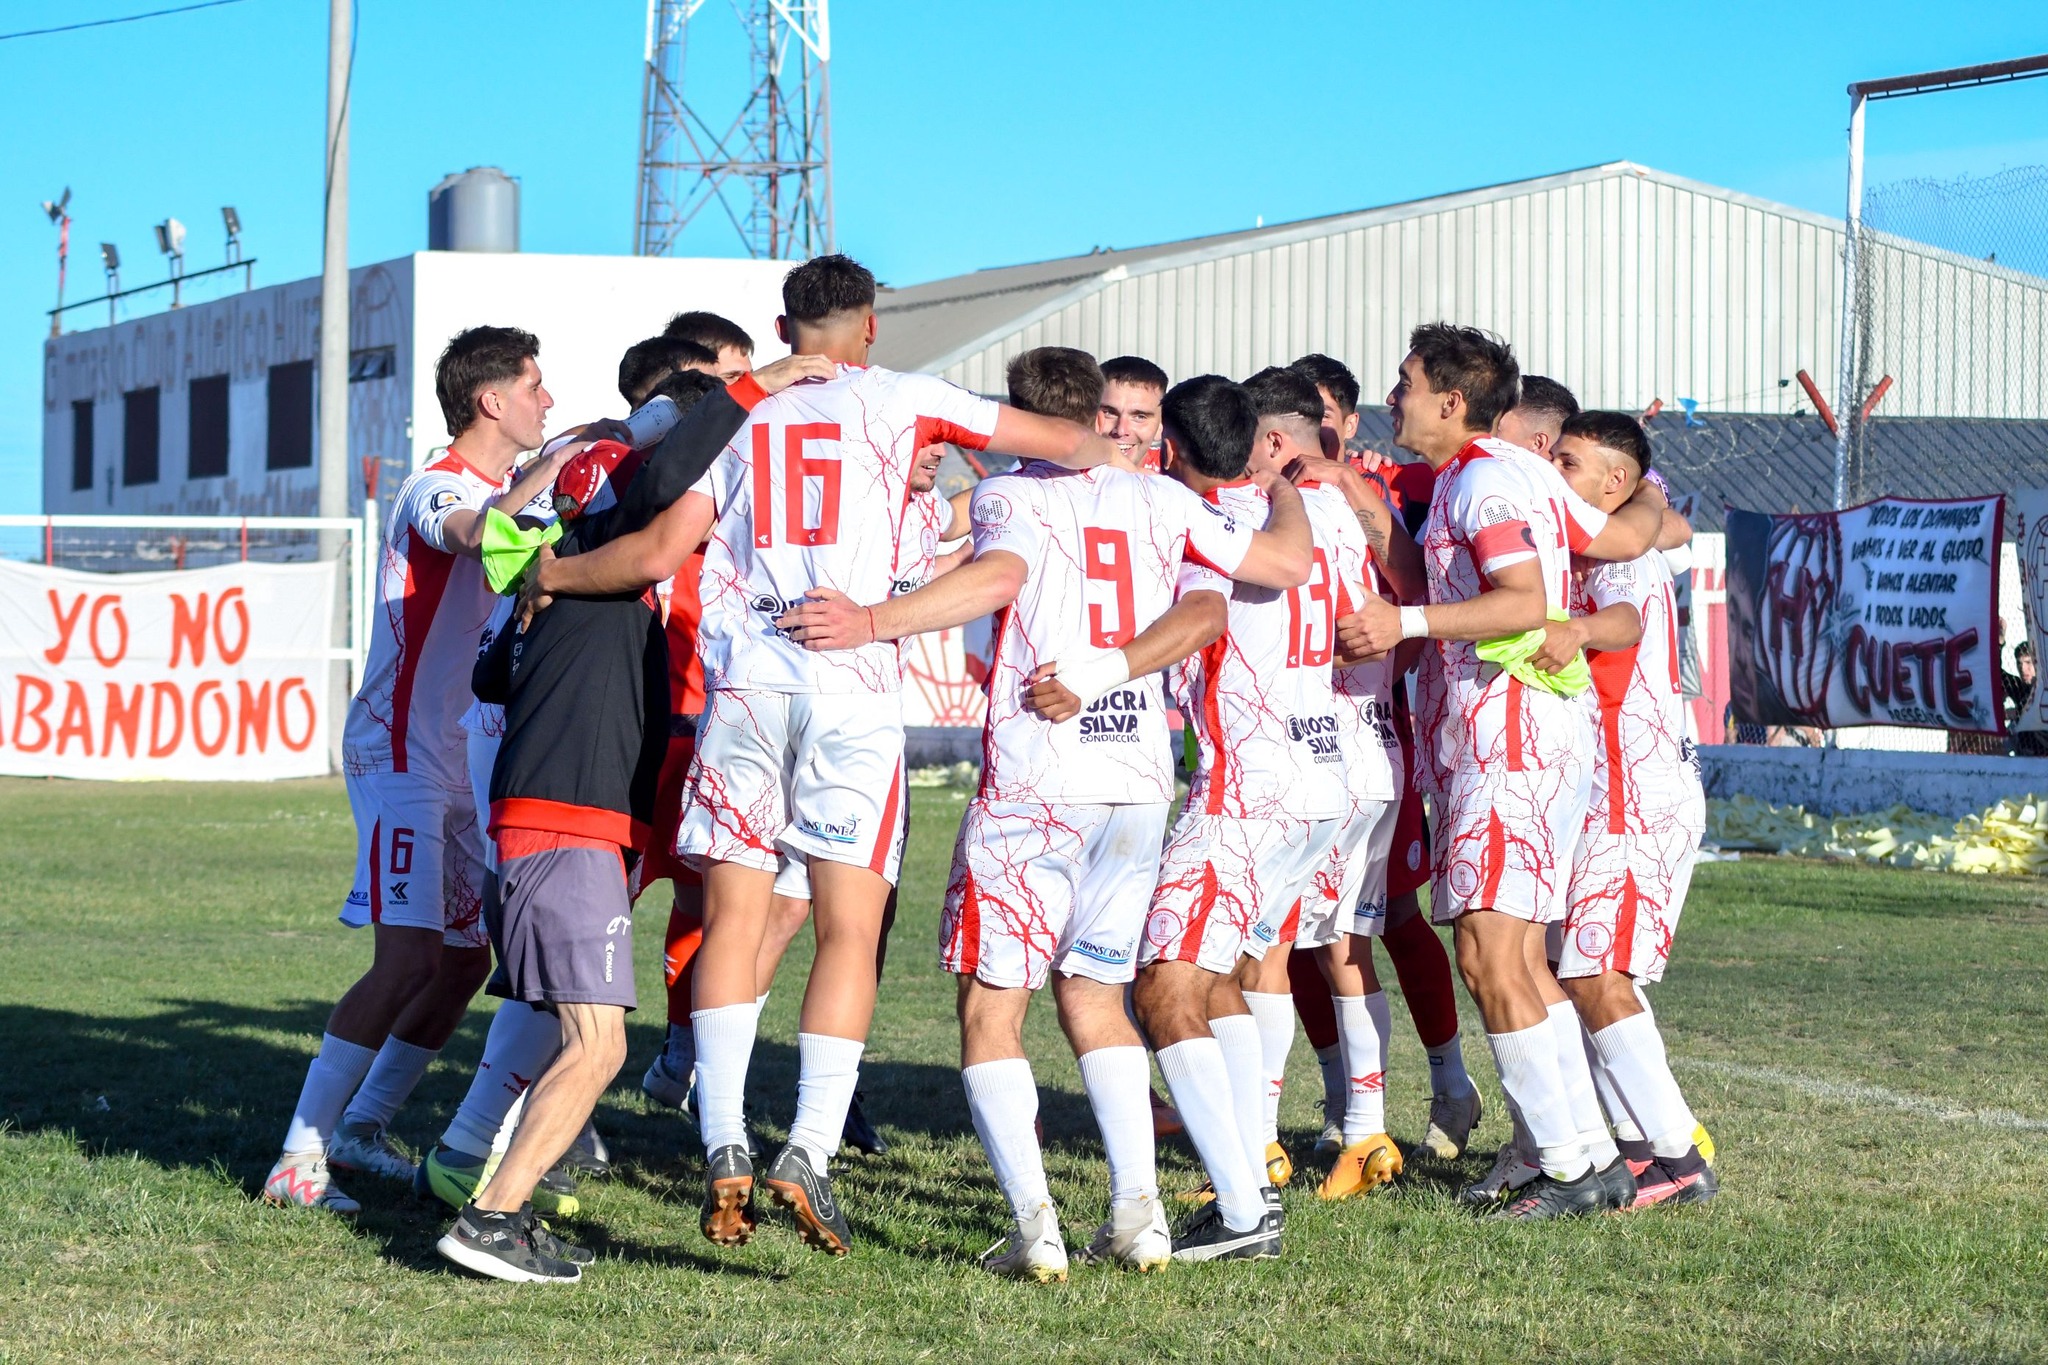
x=1871, y=1096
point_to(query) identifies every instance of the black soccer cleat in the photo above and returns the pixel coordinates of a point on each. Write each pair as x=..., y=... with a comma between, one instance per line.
x=859, y=1134
x=728, y=1217
x=1206, y=1237
x=548, y=1244
x=807, y=1193
x=1618, y=1184
x=1685, y=1179
x=503, y=1246
x=588, y=1155
x=1546, y=1197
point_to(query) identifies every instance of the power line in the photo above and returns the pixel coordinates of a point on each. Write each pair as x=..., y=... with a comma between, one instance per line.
x=123, y=19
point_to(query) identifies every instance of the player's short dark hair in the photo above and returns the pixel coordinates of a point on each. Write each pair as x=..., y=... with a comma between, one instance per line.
x=646, y=362
x=1616, y=431
x=1330, y=373
x=1285, y=392
x=686, y=387
x=1056, y=381
x=1212, y=422
x=476, y=359
x=1540, y=393
x=1133, y=369
x=1477, y=364
x=825, y=285
x=709, y=330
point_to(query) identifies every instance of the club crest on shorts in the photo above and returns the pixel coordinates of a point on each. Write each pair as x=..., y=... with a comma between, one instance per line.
x=1162, y=927
x=1593, y=940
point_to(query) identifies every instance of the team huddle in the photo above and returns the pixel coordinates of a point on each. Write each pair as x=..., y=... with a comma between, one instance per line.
x=673, y=646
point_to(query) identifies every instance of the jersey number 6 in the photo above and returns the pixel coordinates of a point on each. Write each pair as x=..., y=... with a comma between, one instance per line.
x=797, y=468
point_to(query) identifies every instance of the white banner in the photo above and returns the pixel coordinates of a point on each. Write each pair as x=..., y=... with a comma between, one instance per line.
x=2030, y=507
x=206, y=674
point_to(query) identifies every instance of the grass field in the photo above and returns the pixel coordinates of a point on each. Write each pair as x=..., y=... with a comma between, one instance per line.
x=1866, y=1045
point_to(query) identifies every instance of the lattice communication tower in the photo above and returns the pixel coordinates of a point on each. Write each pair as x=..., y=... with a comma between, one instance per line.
x=766, y=168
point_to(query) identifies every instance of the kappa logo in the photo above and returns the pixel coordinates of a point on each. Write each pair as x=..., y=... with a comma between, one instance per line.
x=845, y=831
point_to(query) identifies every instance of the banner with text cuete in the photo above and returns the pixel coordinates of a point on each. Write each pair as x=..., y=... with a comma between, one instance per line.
x=1884, y=614
x=2030, y=530
x=204, y=674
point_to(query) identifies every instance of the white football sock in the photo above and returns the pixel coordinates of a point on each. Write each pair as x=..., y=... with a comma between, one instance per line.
x=1274, y=1015
x=392, y=1076
x=1336, y=1086
x=1118, y=1082
x=1003, y=1098
x=725, y=1045
x=1447, y=1074
x=679, y=1050
x=521, y=1042
x=828, y=1070
x=1362, y=1024
x=1633, y=1051
x=1244, y=1061
x=1612, y=1103
x=1578, y=1086
x=502, y=1143
x=1527, y=1059
x=332, y=1077
x=1199, y=1081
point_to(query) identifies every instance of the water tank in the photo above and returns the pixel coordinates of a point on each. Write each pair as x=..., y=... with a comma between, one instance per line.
x=477, y=210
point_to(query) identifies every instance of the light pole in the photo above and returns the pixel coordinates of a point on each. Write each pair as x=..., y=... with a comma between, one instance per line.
x=60, y=214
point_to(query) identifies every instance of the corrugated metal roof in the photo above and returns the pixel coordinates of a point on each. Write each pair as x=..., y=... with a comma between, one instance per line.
x=926, y=326
x=1768, y=462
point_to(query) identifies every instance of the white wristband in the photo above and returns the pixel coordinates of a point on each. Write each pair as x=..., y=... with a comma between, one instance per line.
x=1090, y=677
x=1414, y=624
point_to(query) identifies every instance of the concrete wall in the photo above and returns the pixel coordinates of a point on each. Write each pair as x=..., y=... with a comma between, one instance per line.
x=1852, y=781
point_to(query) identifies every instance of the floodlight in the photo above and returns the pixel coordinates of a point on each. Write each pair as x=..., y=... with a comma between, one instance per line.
x=110, y=256
x=57, y=209
x=170, y=237
x=232, y=219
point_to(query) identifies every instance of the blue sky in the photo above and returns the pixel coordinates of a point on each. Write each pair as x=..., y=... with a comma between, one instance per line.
x=966, y=134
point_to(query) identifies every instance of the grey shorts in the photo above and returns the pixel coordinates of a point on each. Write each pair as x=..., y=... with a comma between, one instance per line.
x=561, y=920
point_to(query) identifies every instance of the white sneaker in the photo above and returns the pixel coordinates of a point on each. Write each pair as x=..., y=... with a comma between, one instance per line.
x=1035, y=1251
x=1451, y=1121
x=369, y=1150
x=1136, y=1236
x=302, y=1181
x=1511, y=1171
x=663, y=1086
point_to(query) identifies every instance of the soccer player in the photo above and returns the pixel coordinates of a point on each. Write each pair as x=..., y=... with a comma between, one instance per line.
x=1264, y=806
x=724, y=338
x=584, y=686
x=1538, y=416
x=1643, y=825
x=1392, y=881
x=1132, y=387
x=646, y=363
x=801, y=753
x=1511, y=757
x=419, y=858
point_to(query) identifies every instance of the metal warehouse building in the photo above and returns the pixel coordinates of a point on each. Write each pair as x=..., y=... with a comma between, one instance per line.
x=1626, y=283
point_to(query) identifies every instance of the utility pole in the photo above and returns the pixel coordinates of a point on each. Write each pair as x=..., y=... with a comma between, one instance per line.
x=333, y=367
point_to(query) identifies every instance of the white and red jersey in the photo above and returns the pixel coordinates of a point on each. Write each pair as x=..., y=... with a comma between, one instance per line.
x=1494, y=505
x=432, y=605
x=1364, y=693
x=1106, y=551
x=1259, y=698
x=927, y=524
x=811, y=493
x=1642, y=747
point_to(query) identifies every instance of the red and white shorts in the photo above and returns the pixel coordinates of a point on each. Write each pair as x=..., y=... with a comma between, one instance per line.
x=817, y=775
x=1038, y=888
x=420, y=857
x=1228, y=887
x=1627, y=890
x=1505, y=839
x=1332, y=908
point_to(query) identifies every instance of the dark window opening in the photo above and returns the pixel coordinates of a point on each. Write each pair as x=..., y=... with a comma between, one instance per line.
x=379, y=362
x=81, y=445
x=140, y=436
x=207, y=428
x=291, y=416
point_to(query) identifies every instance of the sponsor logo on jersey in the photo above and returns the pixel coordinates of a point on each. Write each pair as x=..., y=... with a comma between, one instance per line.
x=1319, y=733
x=1114, y=716
x=1264, y=933
x=905, y=585
x=845, y=831
x=1115, y=956
x=771, y=606
x=443, y=500
x=991, y=510
x=1229, y=522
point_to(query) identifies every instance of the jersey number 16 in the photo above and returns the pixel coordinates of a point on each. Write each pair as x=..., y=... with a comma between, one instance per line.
x=797, y=468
